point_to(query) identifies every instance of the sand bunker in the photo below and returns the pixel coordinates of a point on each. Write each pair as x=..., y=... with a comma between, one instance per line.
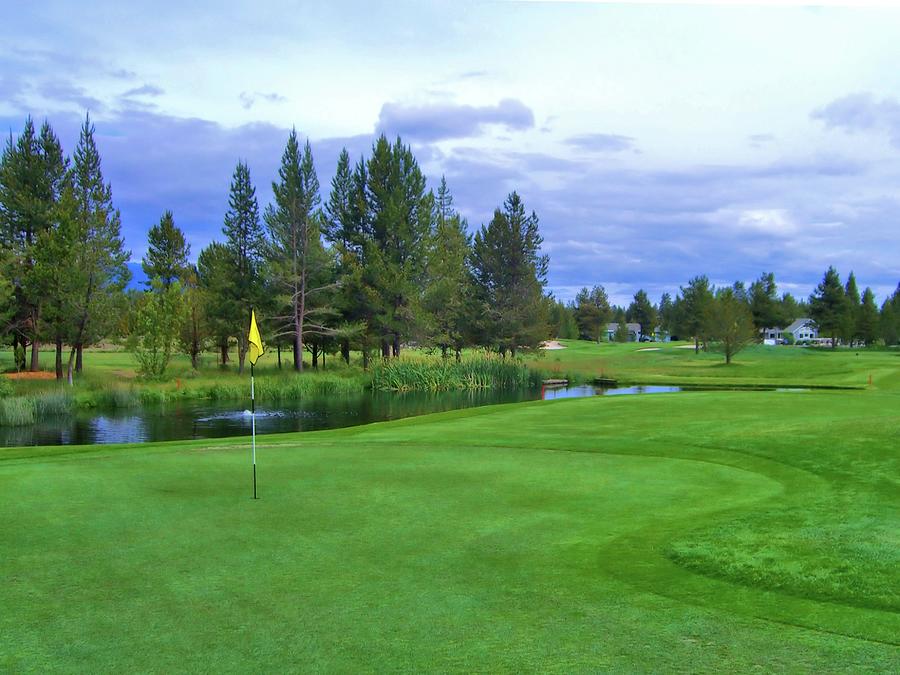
x=552, y=344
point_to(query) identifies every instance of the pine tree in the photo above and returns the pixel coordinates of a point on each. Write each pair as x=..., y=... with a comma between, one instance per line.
x=100, y=257
x=167, y=252
x=828, y=306
x=298, y=261
x=214, y=280
x=245, y=242
x=592, y=313
x=398, y=214
x=642, y=311
x=448, y=294
x=889, y=321
x=694, y=308
x=510, y=273
x=764, y=303
x=850, y=327
x=666, y=314
x=32, y=177
x=867, y=318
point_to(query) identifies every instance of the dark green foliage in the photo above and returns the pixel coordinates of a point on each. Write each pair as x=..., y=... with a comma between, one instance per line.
x=510, y=273
x=642, y=311
x=592, y=313
x=167, y=252
x=562, y=320
x=828, y=306
x=765, y=306
x=889, y=320
x=867, y=318
x=299, y=266
x=693, y=309
x=448, y=297
x=245, y=243
x=214, y=270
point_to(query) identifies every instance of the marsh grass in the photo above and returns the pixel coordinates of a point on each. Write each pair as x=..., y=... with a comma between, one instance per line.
x=445, y=375
x=16, y=411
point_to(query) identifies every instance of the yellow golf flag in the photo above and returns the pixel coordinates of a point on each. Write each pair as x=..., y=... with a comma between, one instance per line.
x=256, y=345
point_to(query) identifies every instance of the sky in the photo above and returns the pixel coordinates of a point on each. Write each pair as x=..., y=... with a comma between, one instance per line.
x=654, y=142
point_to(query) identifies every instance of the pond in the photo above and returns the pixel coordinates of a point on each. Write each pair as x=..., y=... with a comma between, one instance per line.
x=186, y=420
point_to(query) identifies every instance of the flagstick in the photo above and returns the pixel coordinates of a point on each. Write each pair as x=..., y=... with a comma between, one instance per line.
x=253, y=428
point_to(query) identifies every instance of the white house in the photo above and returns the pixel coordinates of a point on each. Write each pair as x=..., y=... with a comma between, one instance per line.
x=801, y=329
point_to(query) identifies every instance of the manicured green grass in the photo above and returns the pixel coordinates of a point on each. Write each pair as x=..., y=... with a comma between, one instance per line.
x=711, y=531
x=673, y=363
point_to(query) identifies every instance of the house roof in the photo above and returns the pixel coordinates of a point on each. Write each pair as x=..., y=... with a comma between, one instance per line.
x=800, y=323
x=633, y=327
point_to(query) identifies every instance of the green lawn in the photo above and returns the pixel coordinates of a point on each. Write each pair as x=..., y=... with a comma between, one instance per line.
x=675, y=363
x=710, y=531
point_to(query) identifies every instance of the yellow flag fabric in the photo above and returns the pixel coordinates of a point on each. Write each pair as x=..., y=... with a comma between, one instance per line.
x=256, y=344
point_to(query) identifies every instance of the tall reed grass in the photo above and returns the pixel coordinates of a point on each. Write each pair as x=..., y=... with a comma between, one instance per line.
x=445, y=375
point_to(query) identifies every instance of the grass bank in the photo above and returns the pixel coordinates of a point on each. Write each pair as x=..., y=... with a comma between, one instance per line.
x=710, y=531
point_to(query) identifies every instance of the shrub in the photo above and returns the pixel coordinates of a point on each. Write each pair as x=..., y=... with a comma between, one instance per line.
x=16, y=412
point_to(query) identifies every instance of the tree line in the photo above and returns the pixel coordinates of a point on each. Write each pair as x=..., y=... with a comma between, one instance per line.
x=735, y=315
x=378, y=262
x=375, y=261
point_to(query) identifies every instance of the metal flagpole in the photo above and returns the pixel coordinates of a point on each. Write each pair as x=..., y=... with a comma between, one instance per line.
x=253, y=428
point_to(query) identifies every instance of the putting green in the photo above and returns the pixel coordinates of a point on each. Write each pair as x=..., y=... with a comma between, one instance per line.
x=610, y=533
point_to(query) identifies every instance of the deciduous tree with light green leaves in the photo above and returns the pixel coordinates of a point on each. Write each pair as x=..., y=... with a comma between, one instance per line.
x=157, y=324
x=730, y=323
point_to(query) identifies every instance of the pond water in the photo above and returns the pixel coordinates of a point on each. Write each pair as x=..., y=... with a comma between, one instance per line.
x=186, y=420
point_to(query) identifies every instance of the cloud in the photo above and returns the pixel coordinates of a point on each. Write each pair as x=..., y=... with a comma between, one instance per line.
x=441, y=121
x=862, y=112
x=760, y=140
x=60, y=91
x=601, y=142
x=145, y=90
x=249, y=100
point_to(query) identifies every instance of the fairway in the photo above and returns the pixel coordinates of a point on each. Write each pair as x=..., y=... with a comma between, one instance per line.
x=701, y=531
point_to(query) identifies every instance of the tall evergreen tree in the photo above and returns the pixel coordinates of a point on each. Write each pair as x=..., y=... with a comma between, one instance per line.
x=666, y=314
x=214, y=280
x=889, y=320
x=298, y=261
x=32, y=177
x=510, y=273
x=167, y=252
x=592, y=313
x=764, y=303
x=448, y=294
x=828, y=306
x=245, y=242
x=694, y=308
x=867, y=318
x=850, y=328
x=642, y=311
x=100, y=269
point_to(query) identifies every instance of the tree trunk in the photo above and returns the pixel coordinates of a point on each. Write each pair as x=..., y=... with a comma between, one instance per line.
x=242, y=354
x=223, y=347
x=35, y=344
x=79, y=358
x=59, y=367
x=345, y=351
x=71, y=378
x=298, y=351
x=385, y=349
x=443, y=352
x=696, y=345
x=458, y=355
x=315, y=355
x=279, y=357
x=365, y=358
x=396, y=346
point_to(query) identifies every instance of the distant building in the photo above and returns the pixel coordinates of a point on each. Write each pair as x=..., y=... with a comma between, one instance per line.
x=634, y=331
x=801, y=329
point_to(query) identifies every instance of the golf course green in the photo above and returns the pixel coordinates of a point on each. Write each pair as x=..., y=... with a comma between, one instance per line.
x=701, y=531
